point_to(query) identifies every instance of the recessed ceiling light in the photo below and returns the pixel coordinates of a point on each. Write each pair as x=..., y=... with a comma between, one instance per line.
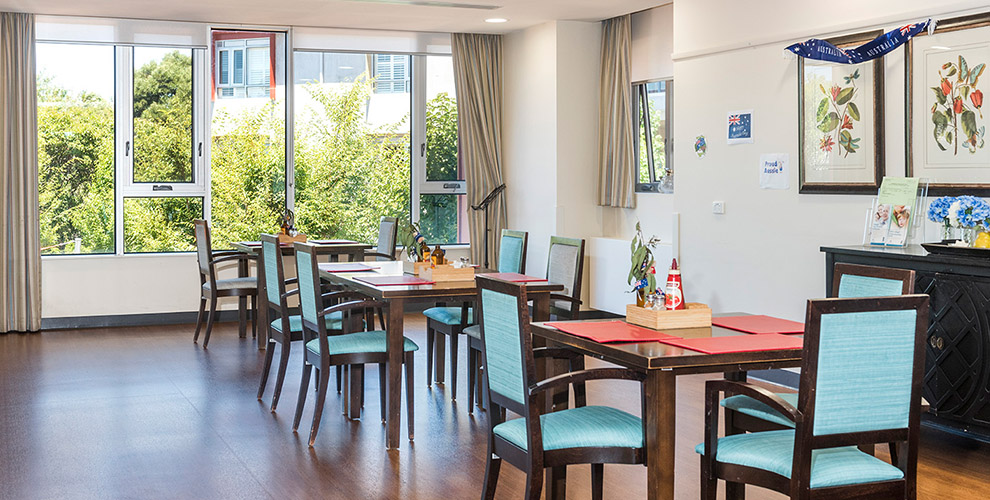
x=496, y=20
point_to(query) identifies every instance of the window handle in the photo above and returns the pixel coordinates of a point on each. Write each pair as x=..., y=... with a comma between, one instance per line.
x=127, y=148
x=200, y=149
x=422, y=150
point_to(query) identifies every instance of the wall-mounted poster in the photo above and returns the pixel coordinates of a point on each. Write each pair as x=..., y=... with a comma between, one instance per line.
x=840, y=123
x=945, y=83
x=740, y=127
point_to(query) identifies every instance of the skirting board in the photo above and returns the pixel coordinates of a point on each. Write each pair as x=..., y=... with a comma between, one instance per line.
x=115, y=320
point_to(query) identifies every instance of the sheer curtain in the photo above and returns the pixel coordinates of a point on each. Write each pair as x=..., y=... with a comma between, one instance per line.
x=20, y=255
x=616, y=157
x=478, y=79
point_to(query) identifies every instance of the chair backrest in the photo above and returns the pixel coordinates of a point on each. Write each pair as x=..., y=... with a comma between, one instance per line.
x=862, y=369
x=853, y=280
x=505, y=337
x=204, y=252
x=565, y=265
x=388, y=231
x=309, y=289
x=512, y=251
x=271, y=257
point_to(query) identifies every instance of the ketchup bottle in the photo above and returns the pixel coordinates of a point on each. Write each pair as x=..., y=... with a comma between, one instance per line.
x=675, y=294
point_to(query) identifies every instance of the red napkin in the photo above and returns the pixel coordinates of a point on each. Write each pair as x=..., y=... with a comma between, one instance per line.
x=513, y=277
x=403, y=279
x=737, y=343
x=345, y=267
x=758, y=324
x=610, y=331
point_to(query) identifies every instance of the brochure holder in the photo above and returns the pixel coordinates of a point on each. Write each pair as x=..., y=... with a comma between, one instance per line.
x=896, y=216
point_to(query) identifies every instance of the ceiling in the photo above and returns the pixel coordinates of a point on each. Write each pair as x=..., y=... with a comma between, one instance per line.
x=367, y=14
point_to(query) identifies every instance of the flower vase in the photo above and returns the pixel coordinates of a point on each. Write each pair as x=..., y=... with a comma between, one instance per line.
x=641, y=297
x=969, y=235
x=950, y=234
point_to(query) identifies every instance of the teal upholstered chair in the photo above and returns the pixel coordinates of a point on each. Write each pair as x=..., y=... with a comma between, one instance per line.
x=860, y=385
x=211, y=288
x=351, y=350
x=388, y=231
x=452, y=321
x=848, y=281
x=594, y=435
x=285, y=328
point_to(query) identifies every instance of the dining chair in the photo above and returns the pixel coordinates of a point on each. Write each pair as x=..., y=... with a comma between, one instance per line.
x=388, y=231
x=565, y=266
x=745, y=414
x=861, y=376
x=584, y=434
x=351, y=350
x=212, y=289
x=453, y=321
x=286, y=328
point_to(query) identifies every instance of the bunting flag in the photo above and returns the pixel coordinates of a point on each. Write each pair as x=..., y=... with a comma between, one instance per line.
x=824, y=51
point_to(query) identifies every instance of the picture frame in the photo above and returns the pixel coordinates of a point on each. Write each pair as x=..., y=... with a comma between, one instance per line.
x=841, y=123
x=944, y=74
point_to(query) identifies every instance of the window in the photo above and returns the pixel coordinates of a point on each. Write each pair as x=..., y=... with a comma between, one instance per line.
x=243, y=64
x=652, y=109
x=391, y=73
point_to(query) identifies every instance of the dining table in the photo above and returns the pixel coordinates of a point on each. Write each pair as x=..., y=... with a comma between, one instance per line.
x=397, y=296
x=662, y=363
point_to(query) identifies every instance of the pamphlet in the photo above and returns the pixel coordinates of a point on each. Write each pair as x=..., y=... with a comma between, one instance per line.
x=891, y=220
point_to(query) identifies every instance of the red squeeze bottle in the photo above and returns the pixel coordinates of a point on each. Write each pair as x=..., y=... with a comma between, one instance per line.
x=675, y=294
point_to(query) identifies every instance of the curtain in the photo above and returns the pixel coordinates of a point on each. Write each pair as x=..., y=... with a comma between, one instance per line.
x=478, y=80
x=616, y=157
x=20, y=255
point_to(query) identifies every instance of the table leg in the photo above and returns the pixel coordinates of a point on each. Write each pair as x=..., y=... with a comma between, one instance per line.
x=262, y=307
x=661, y=399
x=242, y=271
x=394, y=378
x=733, y=491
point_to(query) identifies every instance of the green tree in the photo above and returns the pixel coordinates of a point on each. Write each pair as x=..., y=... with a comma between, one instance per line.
x=438, y=212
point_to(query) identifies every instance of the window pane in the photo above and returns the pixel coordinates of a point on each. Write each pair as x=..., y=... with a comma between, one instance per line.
x=224, y=64
x=391, y=73
x=308, y=67
x=238, y=67
x=258, y=71
x=160, y=224
x=644, y=150
x=247, y=156
x=441, y=121
x=443, y=218
x=162, y=115
x=76, y=148
x=656, y=94
x=352, y=153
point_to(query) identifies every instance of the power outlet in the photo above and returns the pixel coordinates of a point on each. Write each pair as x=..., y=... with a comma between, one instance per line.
x=718, y=207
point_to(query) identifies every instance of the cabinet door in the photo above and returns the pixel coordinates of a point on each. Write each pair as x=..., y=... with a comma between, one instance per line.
x=957, y=346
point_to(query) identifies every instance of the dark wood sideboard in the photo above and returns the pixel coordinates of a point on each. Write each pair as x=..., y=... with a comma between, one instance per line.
x=957, y=357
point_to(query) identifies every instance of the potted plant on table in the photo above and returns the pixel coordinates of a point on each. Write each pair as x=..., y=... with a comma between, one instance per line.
x=642, y=273
x=414, y=243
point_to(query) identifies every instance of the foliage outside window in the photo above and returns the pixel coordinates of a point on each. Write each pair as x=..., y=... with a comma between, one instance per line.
x=652, y=110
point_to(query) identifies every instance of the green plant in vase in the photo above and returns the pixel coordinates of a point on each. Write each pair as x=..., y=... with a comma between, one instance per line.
x=642, y=274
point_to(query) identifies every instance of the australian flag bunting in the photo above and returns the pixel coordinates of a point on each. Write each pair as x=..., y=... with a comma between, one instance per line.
x=824, y=51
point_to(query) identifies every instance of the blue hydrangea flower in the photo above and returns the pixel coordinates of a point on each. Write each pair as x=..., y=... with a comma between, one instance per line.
x=938, y=210
x=971, y=211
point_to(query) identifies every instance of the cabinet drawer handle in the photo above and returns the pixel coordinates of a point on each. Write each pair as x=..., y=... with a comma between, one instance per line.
x=931, y=341
x=940, y=343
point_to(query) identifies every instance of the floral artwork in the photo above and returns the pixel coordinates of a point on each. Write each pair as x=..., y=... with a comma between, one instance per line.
x=957, y=113
x=836, y=114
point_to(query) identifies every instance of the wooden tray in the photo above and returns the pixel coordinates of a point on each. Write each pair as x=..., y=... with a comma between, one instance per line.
x=947, y=249
x=286, y=239
x=447, y=272
x=695, y=315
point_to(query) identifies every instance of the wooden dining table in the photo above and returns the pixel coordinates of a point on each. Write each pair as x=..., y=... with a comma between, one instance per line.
x=334, y=249
x=397, y=296
x=662, y=364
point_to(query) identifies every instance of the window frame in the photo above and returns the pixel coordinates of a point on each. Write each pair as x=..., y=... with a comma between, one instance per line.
x=231, y=47
x=641, y=115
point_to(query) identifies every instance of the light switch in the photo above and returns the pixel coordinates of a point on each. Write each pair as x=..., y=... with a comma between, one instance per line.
x=718, y=207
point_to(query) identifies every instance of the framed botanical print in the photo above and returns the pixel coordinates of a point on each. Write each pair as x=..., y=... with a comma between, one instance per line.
x=945, y=79
x=840, y=123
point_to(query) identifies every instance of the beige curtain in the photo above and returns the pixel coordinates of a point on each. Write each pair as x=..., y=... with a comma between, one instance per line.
x=20, y=256
x=478, y=79
x=616, y=157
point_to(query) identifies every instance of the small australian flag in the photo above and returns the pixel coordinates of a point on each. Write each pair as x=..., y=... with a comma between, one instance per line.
x=740, y=126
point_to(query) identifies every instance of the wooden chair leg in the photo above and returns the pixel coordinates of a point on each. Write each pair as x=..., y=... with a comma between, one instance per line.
x=709, y=483
x=303, y=389
x=381, y=389
x=210, y=320
x=346, y=397
x=254, y=316
x=597, y=481
x=472, y=372
x=410, y=395
x=556, y=483
x=321, y=398
x=316, y=386
x=491, y=476
x=430, y=334
x=356, y=382
x=339, y=376
x=440, y=345
x=454, y=341
x=534, y=485
x=269, y=354
x=242, y=316
x=199, y=318
x=283, y=364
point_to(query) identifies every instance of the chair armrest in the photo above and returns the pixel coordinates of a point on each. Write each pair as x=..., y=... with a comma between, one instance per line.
x=343, y=294
x=368, y=253
x=238, y=256
x=713, y=387
x=291, y=281
x=223, y=253
x=568, y=298
x=350, y=306
x=290, y=293
x=567, y=379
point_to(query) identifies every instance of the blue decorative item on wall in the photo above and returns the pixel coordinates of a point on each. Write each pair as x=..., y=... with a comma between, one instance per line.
x=740, y=126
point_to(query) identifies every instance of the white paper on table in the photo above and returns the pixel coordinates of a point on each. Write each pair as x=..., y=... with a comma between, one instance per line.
x=775, y=171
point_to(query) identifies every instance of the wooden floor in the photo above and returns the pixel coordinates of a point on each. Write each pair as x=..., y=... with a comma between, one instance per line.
x=144, y=413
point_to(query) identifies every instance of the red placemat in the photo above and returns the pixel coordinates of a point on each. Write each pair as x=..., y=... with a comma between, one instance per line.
x=758, y=324
x=610, y=331
x=737, y=343
x=346, y=267
x=513, y=277
x=403, y=279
